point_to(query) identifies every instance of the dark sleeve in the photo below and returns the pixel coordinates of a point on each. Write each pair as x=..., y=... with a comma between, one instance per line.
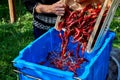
x=30, y=4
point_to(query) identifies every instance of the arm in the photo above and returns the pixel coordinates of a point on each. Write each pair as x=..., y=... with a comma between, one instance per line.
x=57, y=8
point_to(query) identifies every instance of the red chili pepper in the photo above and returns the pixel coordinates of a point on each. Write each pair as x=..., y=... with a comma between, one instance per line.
x=77, y=34
x=78, y=24
x=71, y=68
x=63, y=41
x=83, y=47
x=78, y=39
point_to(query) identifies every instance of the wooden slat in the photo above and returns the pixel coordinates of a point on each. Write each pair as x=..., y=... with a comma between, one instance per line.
x=11, y=10
x=104, y=28
x=91, y=39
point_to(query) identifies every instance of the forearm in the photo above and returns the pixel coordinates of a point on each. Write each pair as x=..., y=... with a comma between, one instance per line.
x=42, y=8
x=57, y=8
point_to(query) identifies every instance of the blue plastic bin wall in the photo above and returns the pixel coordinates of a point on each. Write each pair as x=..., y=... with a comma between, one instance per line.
x=29, y=58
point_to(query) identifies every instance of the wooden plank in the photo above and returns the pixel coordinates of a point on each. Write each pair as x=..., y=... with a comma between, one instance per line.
x=12, y=11
x=104, y=28
x=96, y=27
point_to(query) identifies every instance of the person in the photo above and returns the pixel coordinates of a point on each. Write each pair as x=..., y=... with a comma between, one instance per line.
x=44, y=14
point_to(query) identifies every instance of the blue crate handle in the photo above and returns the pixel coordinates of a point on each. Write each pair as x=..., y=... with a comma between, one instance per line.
x=32, y=77
x=32, y=69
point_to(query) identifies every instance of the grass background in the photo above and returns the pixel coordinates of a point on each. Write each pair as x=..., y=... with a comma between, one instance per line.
x=14, y=37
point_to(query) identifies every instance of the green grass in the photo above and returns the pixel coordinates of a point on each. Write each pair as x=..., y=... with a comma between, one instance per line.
x=14, y=37
x=115, y=26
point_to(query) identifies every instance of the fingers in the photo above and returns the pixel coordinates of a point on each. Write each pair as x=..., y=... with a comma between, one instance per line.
x=59, y=11
x=59, y=8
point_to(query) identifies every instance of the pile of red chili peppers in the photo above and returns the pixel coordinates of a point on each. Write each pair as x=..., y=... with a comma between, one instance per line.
x=79, y=24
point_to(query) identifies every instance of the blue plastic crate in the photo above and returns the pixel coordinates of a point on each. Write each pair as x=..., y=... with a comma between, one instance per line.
x=29, y=58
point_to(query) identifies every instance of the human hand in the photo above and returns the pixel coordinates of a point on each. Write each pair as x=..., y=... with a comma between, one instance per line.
x=58, y=8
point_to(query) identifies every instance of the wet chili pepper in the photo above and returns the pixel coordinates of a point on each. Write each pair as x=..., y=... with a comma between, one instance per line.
x=79, y=25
